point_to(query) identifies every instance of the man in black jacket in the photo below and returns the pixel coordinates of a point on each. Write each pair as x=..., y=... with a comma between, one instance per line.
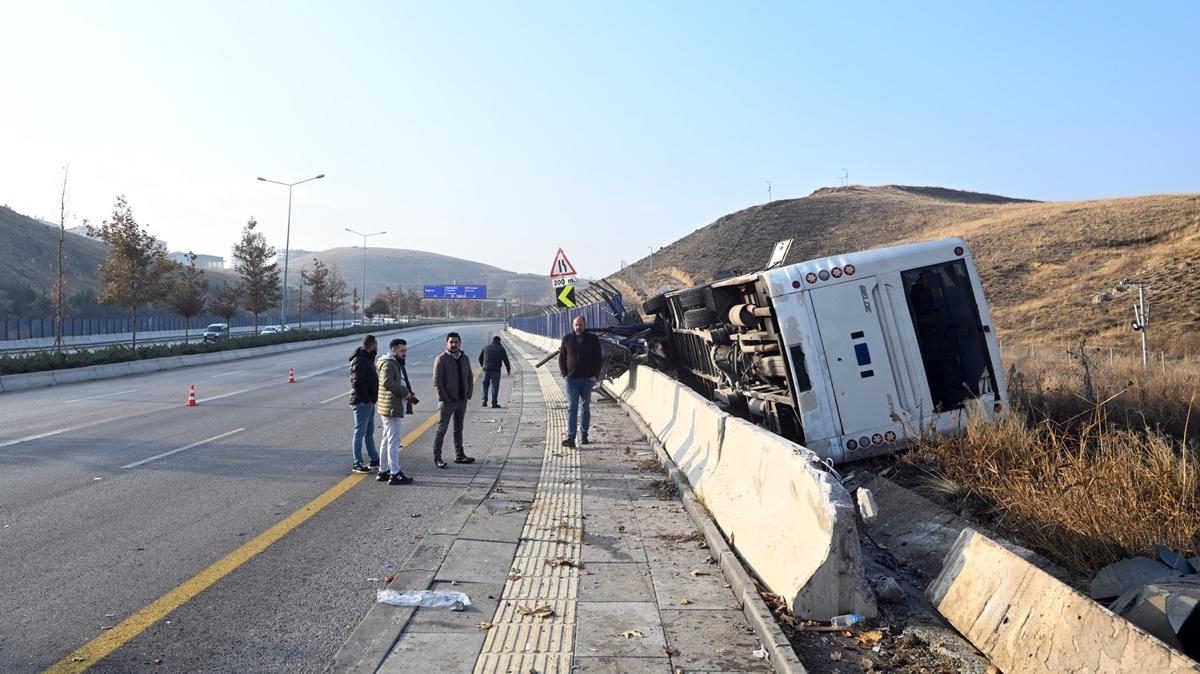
x=491, y=358
x=364, y=391
x=579, y=362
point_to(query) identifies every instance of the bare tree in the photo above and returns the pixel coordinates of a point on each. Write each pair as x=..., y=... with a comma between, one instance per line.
x=187, y=293
x=255, y=262
x=135, y=271
x=60, y=285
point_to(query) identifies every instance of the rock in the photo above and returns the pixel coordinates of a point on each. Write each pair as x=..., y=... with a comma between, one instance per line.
x=889, y=590
x=866, y=504
x=1167, y=610
x=1118, y=577
x=1101, y=298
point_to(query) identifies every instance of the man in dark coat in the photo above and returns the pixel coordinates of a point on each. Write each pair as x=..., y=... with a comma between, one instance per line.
x=490, y=359
x=364, y=391
x=579, y=362
x=454, y=382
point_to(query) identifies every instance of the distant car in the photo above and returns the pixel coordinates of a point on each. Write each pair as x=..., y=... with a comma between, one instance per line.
x=216, y=332
x=357, y=323
x=272, y=330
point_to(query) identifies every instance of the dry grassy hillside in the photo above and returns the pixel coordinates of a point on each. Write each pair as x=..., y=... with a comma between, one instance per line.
x=29, y=254
x=1050, y=269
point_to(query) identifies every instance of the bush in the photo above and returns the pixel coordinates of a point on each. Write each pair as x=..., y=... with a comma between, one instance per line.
x=1095, y=463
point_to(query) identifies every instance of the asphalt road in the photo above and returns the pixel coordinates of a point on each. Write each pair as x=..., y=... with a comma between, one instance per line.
x=113, y=493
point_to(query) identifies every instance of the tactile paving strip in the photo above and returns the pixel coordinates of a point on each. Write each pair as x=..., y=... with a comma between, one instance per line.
x=543, y=574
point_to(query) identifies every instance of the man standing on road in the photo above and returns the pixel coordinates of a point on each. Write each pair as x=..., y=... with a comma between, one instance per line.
x=491, y=358
x=579, y=363
x=364, y=391
x=454, y=381
x=395, y=396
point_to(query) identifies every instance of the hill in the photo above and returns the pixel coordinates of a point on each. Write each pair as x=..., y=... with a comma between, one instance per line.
x=30, y=250
x=1050, y=269
x=29, y=255
x=412, y=269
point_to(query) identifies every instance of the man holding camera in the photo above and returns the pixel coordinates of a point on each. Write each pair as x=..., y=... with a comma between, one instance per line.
x=395, y=398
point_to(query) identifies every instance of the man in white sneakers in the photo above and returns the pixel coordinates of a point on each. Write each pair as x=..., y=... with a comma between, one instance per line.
x=395, y=397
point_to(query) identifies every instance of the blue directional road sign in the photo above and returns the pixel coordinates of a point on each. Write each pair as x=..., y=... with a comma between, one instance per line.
x=455, y=292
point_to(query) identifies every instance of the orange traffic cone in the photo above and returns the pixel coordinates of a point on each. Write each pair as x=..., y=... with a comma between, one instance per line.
x=291, y=375
x=191, y=396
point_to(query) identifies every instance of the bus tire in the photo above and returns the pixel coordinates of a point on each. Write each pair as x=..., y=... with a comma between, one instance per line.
x=691, y=298
x=654, y=305
x=699, y=317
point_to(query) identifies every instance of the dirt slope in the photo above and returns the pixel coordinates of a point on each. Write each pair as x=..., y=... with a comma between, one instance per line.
x=1050, y=269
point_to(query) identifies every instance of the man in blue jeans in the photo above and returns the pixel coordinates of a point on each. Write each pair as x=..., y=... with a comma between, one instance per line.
x=490, y=359
x=579, y=362
x=364, y=391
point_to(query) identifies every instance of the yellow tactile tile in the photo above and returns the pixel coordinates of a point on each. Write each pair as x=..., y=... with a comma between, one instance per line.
x=522, y=638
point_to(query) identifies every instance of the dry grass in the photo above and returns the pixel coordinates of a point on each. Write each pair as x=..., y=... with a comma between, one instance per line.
x=1085, y=480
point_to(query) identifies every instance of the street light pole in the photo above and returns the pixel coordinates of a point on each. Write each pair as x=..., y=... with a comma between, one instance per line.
x=364, y=283
x=287, y=241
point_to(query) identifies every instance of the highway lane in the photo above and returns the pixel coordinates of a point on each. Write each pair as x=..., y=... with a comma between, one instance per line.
x=80, y=554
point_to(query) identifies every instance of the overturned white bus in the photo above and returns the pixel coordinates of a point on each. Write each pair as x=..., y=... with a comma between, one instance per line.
x=850, y=355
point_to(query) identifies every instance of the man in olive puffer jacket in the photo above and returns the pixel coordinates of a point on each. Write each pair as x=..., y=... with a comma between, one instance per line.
x=395, y=396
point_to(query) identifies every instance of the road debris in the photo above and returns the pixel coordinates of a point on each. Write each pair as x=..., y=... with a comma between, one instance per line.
x=455, y=601
x=632, y=634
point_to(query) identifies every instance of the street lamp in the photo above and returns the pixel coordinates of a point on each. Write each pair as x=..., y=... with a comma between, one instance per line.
x=364, y=285
x=287, y=241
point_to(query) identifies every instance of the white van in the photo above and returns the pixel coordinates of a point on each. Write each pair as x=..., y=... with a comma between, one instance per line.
x=849, y=355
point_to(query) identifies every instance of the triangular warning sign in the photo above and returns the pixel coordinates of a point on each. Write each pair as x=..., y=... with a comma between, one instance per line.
x=562, y=267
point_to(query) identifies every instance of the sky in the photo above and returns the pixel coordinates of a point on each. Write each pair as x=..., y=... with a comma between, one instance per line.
x=500, y=131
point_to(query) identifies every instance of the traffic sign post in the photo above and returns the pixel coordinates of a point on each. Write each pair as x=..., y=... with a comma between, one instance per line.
x=562, y=279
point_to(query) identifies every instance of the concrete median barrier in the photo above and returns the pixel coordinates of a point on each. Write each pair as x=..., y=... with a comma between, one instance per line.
x=1025, y=620
x=788, y=519
x=791, y=521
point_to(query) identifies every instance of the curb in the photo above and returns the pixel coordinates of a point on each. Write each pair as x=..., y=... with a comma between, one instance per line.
x=780, y=653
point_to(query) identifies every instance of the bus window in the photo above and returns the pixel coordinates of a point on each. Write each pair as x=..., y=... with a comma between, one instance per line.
x=949, y=333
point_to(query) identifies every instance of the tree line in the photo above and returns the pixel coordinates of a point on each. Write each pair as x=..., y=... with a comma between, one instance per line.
x=138, y=273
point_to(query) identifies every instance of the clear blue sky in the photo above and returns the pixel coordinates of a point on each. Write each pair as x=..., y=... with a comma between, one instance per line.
x=500, y=131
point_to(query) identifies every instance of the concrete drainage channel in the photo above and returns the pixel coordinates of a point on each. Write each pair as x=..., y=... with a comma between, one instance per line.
x=769, y=505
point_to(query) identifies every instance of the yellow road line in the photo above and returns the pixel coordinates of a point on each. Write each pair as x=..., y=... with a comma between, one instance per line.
x=95, y=650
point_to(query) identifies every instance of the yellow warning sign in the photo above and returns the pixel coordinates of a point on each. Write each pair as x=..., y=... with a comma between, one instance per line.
x=566, y=297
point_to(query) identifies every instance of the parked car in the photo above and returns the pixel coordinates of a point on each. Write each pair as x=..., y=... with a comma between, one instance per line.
x=216, y=332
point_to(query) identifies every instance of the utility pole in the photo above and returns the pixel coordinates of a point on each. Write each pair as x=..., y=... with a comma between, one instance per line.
x=768, y=191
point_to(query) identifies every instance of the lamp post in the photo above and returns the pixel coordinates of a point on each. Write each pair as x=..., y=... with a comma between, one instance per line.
x=364, y=285
x=287, y=240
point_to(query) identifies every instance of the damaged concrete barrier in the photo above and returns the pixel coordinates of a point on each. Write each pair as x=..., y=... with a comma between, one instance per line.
x=790, y=520
x=1025, y=620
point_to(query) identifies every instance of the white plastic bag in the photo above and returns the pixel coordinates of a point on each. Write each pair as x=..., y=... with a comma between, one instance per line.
x=455, y=601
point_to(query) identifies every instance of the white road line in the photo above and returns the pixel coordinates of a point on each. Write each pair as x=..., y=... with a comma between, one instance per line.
x=340, y=395
x=102, y=396
x=226, y=374
x=9, y=443
x=176, y=451
x=226, y=395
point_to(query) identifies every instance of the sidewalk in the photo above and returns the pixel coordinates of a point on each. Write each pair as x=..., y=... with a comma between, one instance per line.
x=574, y=560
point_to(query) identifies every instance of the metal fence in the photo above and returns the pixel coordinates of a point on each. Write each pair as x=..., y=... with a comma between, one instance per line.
x=558, y=324
x=34, y=328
